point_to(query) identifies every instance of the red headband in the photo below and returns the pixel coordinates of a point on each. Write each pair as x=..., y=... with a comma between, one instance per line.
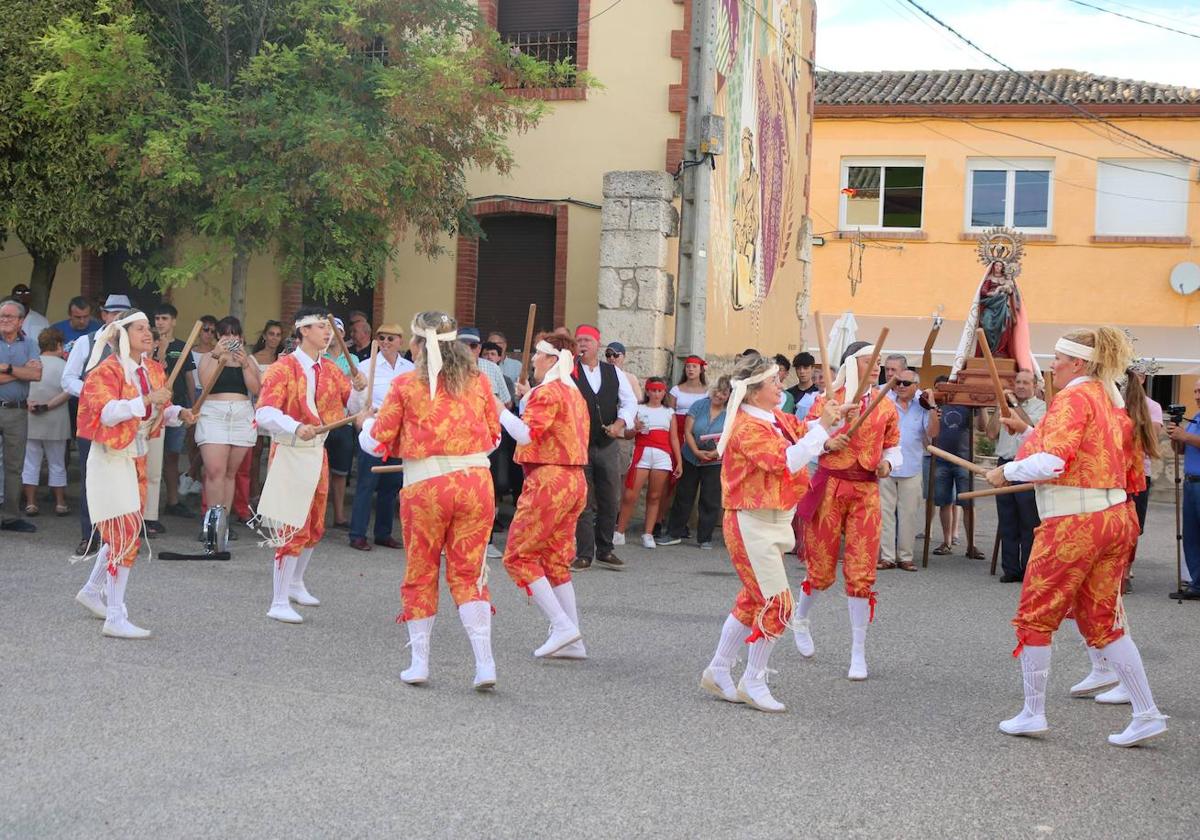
x=656, y=386
x=587, y=329
x=695, y=360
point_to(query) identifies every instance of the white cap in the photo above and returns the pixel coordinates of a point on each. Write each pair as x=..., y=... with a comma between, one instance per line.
x=117, y=303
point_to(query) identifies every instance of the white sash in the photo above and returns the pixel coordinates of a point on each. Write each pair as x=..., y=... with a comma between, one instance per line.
x=111, y=483
x=420, y=469
x=1057, y=500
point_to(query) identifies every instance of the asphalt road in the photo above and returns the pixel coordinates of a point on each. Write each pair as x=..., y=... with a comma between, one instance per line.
x=226, y=724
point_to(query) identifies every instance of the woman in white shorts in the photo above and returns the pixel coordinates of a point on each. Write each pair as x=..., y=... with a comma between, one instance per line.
x=225, y=431
x=656, y=460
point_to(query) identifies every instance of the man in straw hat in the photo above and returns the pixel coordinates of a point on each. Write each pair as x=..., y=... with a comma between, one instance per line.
x=843, y=504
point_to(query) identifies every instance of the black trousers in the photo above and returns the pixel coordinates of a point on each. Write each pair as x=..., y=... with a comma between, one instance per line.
x=702, y=481
x=594, y=530
x=1018, y=517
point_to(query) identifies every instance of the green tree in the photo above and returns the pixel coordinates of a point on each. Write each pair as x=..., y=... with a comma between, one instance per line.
x=320, y=128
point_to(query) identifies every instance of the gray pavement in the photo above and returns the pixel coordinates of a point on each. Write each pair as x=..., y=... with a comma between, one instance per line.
x=227, y=724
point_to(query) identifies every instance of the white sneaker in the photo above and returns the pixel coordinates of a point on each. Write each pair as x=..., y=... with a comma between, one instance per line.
x=648, y=541
x=618, y=538
x=804, y=641
x=299, y=593
x=91, y=602
x=123, y=628
x=494, y=553
x=719, y=683
x=756, y=695
x=557, y=640
x=1024, y=724
x=1095, y=681
x=575, y=650
x=1141, y=728
x=1117, y=696
x=285, y=613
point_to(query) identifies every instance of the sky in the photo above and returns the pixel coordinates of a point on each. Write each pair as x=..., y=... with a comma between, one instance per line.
x=1025, y=34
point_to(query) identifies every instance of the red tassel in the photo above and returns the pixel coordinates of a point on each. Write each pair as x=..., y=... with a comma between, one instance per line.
x=493, y=607
x=754, y=636
x=871, y=601
x=1017, y=650
x=806, y=586
x=528, y=591
x=400, y=618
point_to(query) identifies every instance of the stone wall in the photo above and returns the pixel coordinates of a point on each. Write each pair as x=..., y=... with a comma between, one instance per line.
x=636, y=291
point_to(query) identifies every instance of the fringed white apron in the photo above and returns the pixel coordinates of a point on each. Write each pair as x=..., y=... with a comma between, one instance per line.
x=287, y=495
x=767, y=535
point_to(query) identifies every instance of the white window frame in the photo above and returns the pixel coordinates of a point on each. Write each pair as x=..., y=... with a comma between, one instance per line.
x=881, y=162
x=1011, y=166
x=1109, y=192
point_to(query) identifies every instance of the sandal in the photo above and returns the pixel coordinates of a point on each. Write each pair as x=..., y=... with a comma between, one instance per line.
x=61, y=510
x=31, y=510
x=976, y=554
x=885, y=564
x=942, y=549
x=906, y=565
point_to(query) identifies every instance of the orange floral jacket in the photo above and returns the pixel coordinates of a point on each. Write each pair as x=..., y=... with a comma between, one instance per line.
x=106, y=383
x=754, y=471
x=411, y=425
x=558, y=423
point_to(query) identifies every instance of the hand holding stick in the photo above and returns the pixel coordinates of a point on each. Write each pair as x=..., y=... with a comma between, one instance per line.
x=336, y=424
x=824, y=357
x=187, y=352
x=1001, y=399
x=878, y=398
x=527, y=350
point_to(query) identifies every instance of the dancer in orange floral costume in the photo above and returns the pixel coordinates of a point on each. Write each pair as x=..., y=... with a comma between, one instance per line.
x=299, y=393
x=552, y=440
x=843, y=502
x=1080, y=455
x=124, y=403
x=442, y=420
x=762, y=477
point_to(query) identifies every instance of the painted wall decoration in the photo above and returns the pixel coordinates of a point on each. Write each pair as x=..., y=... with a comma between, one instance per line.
x=758, y=197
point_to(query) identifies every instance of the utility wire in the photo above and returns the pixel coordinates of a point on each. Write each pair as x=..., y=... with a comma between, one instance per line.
x=1134, y=19
x=1046, y=90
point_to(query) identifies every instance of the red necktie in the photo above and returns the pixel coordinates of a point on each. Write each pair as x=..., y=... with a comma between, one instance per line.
x=317, y=387
x=145, y=385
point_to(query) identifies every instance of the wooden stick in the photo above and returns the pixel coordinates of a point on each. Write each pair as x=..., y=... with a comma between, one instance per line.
x=1001, y=400
x=336, y=424
x=388, y=468
x=208, y=386
x=954, y=459
x=878, y=398
x=821, y=342
x=996, y=491
x=930, y=340
x=1048, y=385
x=371, y=374
x=187, y=352
x=527, y=350
x=345, y=351
x=865, y=383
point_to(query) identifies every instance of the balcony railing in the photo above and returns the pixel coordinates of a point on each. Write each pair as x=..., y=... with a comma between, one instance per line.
x=551, y=47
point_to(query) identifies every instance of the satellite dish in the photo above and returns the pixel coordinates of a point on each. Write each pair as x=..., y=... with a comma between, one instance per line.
x=1185, y=278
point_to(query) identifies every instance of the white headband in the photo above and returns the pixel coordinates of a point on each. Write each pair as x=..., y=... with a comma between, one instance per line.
x=309, y=320
x=562, y=368
x=848, y=373
x=433, y=352
x=106, y=335
x=1088, y=354
x=738, y=388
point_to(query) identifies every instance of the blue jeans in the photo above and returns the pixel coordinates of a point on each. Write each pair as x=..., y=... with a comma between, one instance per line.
x=1191, y=531
x=383, y=488
x=83, y=446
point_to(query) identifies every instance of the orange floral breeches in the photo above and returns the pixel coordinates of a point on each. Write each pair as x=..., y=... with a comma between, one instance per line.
x=452, y=512
x=541, y=539
x=750, y=607
x=849, y=508
x=1076, y=566
x=314, y=527
x=123, y=535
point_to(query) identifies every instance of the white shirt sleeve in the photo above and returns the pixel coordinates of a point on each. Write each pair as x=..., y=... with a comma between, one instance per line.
x=273, y=421
x=516, y=427
x=367, y=443
x=1040, y=466
x=171, y=416
x=894, y=456
x=626, y=402
x=118, y=411
x=803, y=451
x=72, y=375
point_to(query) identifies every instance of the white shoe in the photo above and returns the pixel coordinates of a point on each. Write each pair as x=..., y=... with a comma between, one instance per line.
x=485, y=676
x=494, y=553
x=618, y=538
x=648, y=541
x=755, y=694
x=285, y=613
x=123, y=628
x=1097, y=680
x=804, y=641
x=476, y=619
x=557, y=640
x=1024, y=724
x=1117, y=696
x=575, y=650
x=1141, y=729
x=92, y=602
x=419, y=630
x=116, y=619
x=299, y=593
x=719, y=683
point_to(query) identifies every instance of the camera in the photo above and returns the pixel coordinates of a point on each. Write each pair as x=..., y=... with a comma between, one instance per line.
x=1176, y=412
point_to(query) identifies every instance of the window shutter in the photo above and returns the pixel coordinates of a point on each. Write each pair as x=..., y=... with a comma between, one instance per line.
x=516, y=268
x=537, y=16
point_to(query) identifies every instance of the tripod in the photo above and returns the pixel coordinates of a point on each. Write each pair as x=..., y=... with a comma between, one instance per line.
x=1178, y=593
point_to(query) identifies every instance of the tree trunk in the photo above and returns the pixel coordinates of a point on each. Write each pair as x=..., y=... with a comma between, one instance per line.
x=41, y=279
x=237, y=283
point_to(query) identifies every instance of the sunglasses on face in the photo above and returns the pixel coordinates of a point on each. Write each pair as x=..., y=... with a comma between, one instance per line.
x=208, y=329
x=610, y=354
x=904, y=383
x=384, y=337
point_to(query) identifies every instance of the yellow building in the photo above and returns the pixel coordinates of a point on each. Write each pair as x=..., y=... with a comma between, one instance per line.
x=544, y=221
x=908, y=168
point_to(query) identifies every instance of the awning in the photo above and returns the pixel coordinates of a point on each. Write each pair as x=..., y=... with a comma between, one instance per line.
x=1176, y=349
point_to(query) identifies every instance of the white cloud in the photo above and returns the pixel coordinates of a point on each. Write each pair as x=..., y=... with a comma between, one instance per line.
x=1026, y=34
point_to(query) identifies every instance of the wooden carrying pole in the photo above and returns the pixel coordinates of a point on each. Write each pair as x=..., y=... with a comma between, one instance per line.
x=865, y=382
x=187, y=351
x=388, y=468
x=336, y=424
x=883, y=392
x=954, y=459
x=996, y=491
x=527, y=350
x=821, y=342
x=371, y=374
x=341, y=342
x=1001, y=400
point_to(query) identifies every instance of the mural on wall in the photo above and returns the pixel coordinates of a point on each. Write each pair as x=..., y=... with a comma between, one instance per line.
x=759, y=181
